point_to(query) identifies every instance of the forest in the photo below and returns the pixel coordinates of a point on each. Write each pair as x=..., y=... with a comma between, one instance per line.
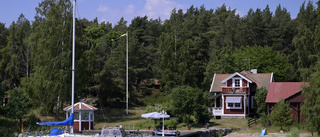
x=185, y=50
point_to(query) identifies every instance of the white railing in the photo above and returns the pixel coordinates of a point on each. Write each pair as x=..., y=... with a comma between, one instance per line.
x=216, y=111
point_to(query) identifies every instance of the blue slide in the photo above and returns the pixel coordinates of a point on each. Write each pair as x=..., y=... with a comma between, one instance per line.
x=263, y=132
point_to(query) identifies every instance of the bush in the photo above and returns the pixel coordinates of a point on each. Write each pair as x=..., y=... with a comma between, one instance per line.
x=7, y=127
x=148, y=122
x=294, y=132
x=170, y=122
x=30, y=122
x=202, y=115
x=264, y=120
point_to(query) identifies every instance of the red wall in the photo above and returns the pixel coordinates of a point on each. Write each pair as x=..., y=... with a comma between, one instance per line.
x=84, y=126
x=244, y=83
x=296, y=98
x=233, y=111
x=229, y=83
x=293, y=112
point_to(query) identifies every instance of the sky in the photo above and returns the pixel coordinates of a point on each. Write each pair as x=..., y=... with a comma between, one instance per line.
x=112, y=10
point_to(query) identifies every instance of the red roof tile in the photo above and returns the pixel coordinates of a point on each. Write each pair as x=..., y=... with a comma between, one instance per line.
x=278, y=90
x=80, y=106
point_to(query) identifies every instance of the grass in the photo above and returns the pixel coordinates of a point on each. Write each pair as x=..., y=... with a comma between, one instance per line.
x=118, y=117
x=131, y=119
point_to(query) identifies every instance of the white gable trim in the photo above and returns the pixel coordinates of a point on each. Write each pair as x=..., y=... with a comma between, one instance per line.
x=271, y=79
x=212, y=83
x=225, y=80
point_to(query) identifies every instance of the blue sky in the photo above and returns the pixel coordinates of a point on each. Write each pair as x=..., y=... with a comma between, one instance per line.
x=113, y=10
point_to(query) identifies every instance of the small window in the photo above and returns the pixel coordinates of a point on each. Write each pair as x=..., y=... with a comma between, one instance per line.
x=237, y=82
x=76, y=115
x=234, y=105
x=85, y=116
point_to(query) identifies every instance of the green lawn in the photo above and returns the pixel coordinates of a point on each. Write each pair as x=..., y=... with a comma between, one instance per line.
x=238, y=124
x=118, y=117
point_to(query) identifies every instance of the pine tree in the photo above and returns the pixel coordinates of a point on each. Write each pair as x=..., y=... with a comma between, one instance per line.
x=280, y=114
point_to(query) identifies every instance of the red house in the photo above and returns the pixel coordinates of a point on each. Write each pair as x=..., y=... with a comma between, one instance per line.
x=290, y=92
x=234, y=93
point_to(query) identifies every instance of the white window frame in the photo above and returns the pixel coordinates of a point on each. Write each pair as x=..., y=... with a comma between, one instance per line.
x=234, y=82
x=234, y=106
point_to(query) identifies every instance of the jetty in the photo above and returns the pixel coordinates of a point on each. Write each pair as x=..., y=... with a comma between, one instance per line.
x=203, y=132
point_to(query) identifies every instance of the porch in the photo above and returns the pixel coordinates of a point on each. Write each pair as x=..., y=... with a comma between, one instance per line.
x=216, y=111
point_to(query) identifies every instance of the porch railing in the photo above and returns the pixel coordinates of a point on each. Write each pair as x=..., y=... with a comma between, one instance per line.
x=216, y=111
x=235, y=90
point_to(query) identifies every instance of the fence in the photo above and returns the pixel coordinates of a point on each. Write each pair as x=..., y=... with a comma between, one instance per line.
x=253, y=120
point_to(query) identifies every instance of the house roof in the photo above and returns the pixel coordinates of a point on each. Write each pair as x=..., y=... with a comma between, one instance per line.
x=80, y=106
x=236, y=74
x=278, y=90
x=261, y=79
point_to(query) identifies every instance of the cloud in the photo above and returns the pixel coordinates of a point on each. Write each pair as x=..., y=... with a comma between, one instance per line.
x=130, y=9
x=103, y=9
x=160, y=8
x=241, y=14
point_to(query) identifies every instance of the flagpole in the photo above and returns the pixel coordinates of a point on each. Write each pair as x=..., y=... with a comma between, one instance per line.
x=127, y=74
x=73, y=58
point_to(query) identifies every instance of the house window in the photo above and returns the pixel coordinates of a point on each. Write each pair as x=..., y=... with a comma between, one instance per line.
x=236, y=82
x=85, y=116
x=234, y=102
x=76, y=115
x=253, y=102
x=234, y=105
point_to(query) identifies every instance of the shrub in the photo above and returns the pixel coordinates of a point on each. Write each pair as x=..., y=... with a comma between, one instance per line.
x=148, y=122
x=170, y=122
x=30, y=122
x=294, y=132
x=264, y=120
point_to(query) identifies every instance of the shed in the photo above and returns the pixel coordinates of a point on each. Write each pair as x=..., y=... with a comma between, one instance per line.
x=291, y=92
x=83, y=116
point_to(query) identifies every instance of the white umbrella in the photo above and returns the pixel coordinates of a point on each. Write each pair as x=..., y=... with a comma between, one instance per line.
x=156, y=115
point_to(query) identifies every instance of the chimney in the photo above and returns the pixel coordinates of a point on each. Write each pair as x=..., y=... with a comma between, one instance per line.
x=254, y=71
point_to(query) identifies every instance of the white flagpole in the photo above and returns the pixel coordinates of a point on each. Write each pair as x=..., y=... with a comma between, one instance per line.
x=73, y=58
x=127, y=74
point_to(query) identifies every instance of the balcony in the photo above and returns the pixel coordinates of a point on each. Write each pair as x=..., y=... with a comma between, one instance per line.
x=235, y=90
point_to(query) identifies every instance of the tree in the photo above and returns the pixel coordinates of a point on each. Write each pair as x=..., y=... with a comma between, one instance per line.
x=265, y=59
x=185, y=100
x=18, y=105
x=50, y=42
x=303, y=41
x=310, y=107
x=280, y=114
x=19, y=56
x=260, y=99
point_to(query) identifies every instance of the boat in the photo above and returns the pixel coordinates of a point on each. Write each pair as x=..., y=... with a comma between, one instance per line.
x=166, y=133
x=112, y=132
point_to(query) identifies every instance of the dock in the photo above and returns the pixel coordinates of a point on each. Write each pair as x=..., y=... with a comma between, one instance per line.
x=203, y=132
